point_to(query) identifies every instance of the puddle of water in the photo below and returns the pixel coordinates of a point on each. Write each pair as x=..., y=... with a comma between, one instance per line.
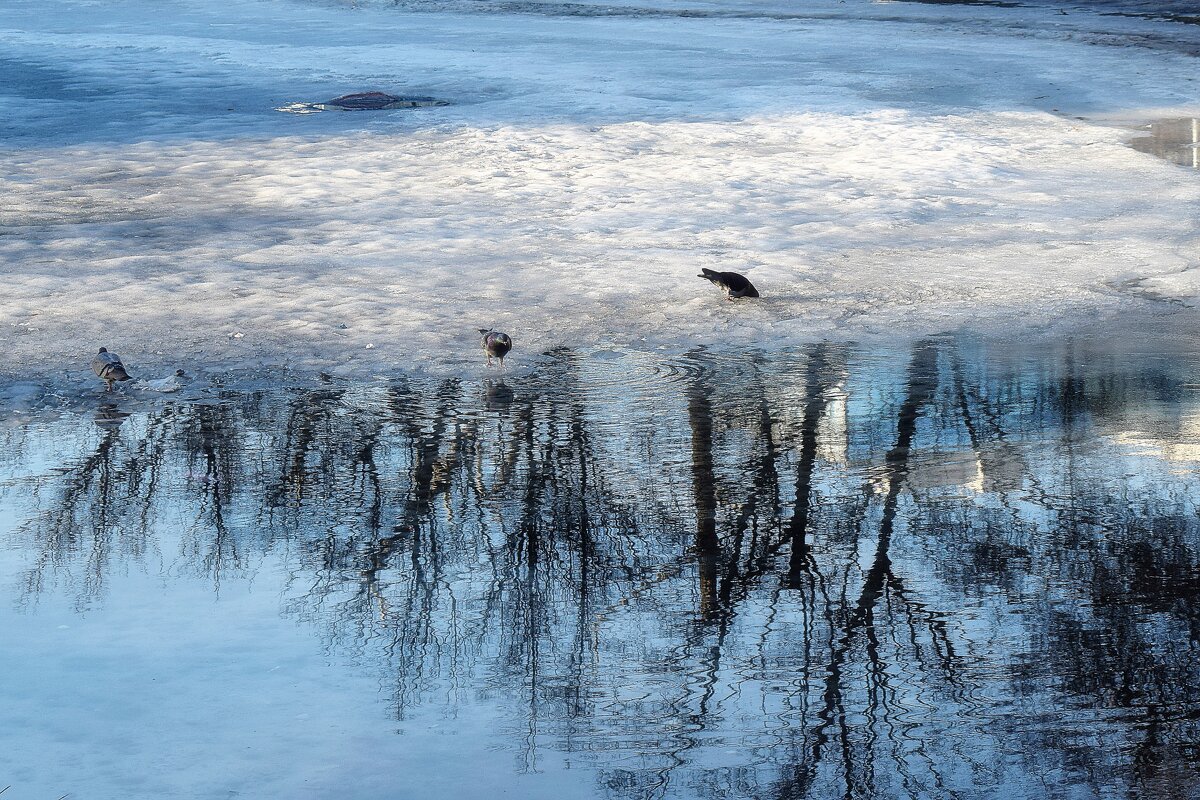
x=931, y=572
x=1176, y=140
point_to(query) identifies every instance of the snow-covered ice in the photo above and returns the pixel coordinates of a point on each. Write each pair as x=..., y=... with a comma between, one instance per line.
x=877, y=169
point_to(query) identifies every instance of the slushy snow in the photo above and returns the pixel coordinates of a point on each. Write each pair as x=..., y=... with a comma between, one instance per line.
x=876, y=169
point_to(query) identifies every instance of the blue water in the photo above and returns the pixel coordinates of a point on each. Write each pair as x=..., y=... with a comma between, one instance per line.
x=945, y=570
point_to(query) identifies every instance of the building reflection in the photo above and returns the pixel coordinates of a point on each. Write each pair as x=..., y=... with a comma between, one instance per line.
x=920, y=573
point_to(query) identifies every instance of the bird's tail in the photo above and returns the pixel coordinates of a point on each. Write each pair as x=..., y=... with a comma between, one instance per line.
x=113, y=372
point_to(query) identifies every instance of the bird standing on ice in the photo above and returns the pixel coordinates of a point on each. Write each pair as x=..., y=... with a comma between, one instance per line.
x=495, y=344
x=108, y=368
x=732, y=283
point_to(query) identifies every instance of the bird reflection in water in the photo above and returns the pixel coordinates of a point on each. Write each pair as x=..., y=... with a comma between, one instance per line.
x=109, y=415
x=497, y=396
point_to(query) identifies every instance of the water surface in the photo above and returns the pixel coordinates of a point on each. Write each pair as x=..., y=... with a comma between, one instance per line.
x=1176, y=140
x=944, y=570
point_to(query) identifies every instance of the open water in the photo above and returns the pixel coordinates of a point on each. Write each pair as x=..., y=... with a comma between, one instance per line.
x=944, y=570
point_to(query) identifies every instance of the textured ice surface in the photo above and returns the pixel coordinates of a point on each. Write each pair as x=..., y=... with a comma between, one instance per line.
x=875, y=169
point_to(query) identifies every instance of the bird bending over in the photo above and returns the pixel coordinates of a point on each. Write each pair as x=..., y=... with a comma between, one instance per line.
x=733, y=284
x=108, y=368
x=495, y=344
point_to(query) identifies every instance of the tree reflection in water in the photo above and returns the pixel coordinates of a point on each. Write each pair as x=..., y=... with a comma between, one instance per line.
x=935, y=573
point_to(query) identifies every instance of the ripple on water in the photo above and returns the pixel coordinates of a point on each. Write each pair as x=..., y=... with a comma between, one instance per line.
x=736, y=574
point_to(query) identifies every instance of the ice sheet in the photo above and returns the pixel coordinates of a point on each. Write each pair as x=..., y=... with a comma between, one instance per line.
x=876, y=170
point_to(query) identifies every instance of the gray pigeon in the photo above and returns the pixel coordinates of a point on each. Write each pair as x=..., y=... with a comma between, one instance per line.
x=495, y=344
x=732, y=283
x=108, y=368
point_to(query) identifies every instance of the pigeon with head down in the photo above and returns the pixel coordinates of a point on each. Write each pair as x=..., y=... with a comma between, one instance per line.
x=108, y=368
x=733, y=284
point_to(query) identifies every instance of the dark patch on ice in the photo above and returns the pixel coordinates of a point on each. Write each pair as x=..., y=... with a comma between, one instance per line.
x=1187, y=13
x=1137, y=287
x=34, y=81
x=365, y=101
x=379, y=101
x=1184, y=19
x=995, y=3
x=549, y=9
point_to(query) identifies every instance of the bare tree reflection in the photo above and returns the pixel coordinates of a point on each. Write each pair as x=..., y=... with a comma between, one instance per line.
x=825, y=573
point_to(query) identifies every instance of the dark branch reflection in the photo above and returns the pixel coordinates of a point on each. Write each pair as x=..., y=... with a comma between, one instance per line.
x=829, y=573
